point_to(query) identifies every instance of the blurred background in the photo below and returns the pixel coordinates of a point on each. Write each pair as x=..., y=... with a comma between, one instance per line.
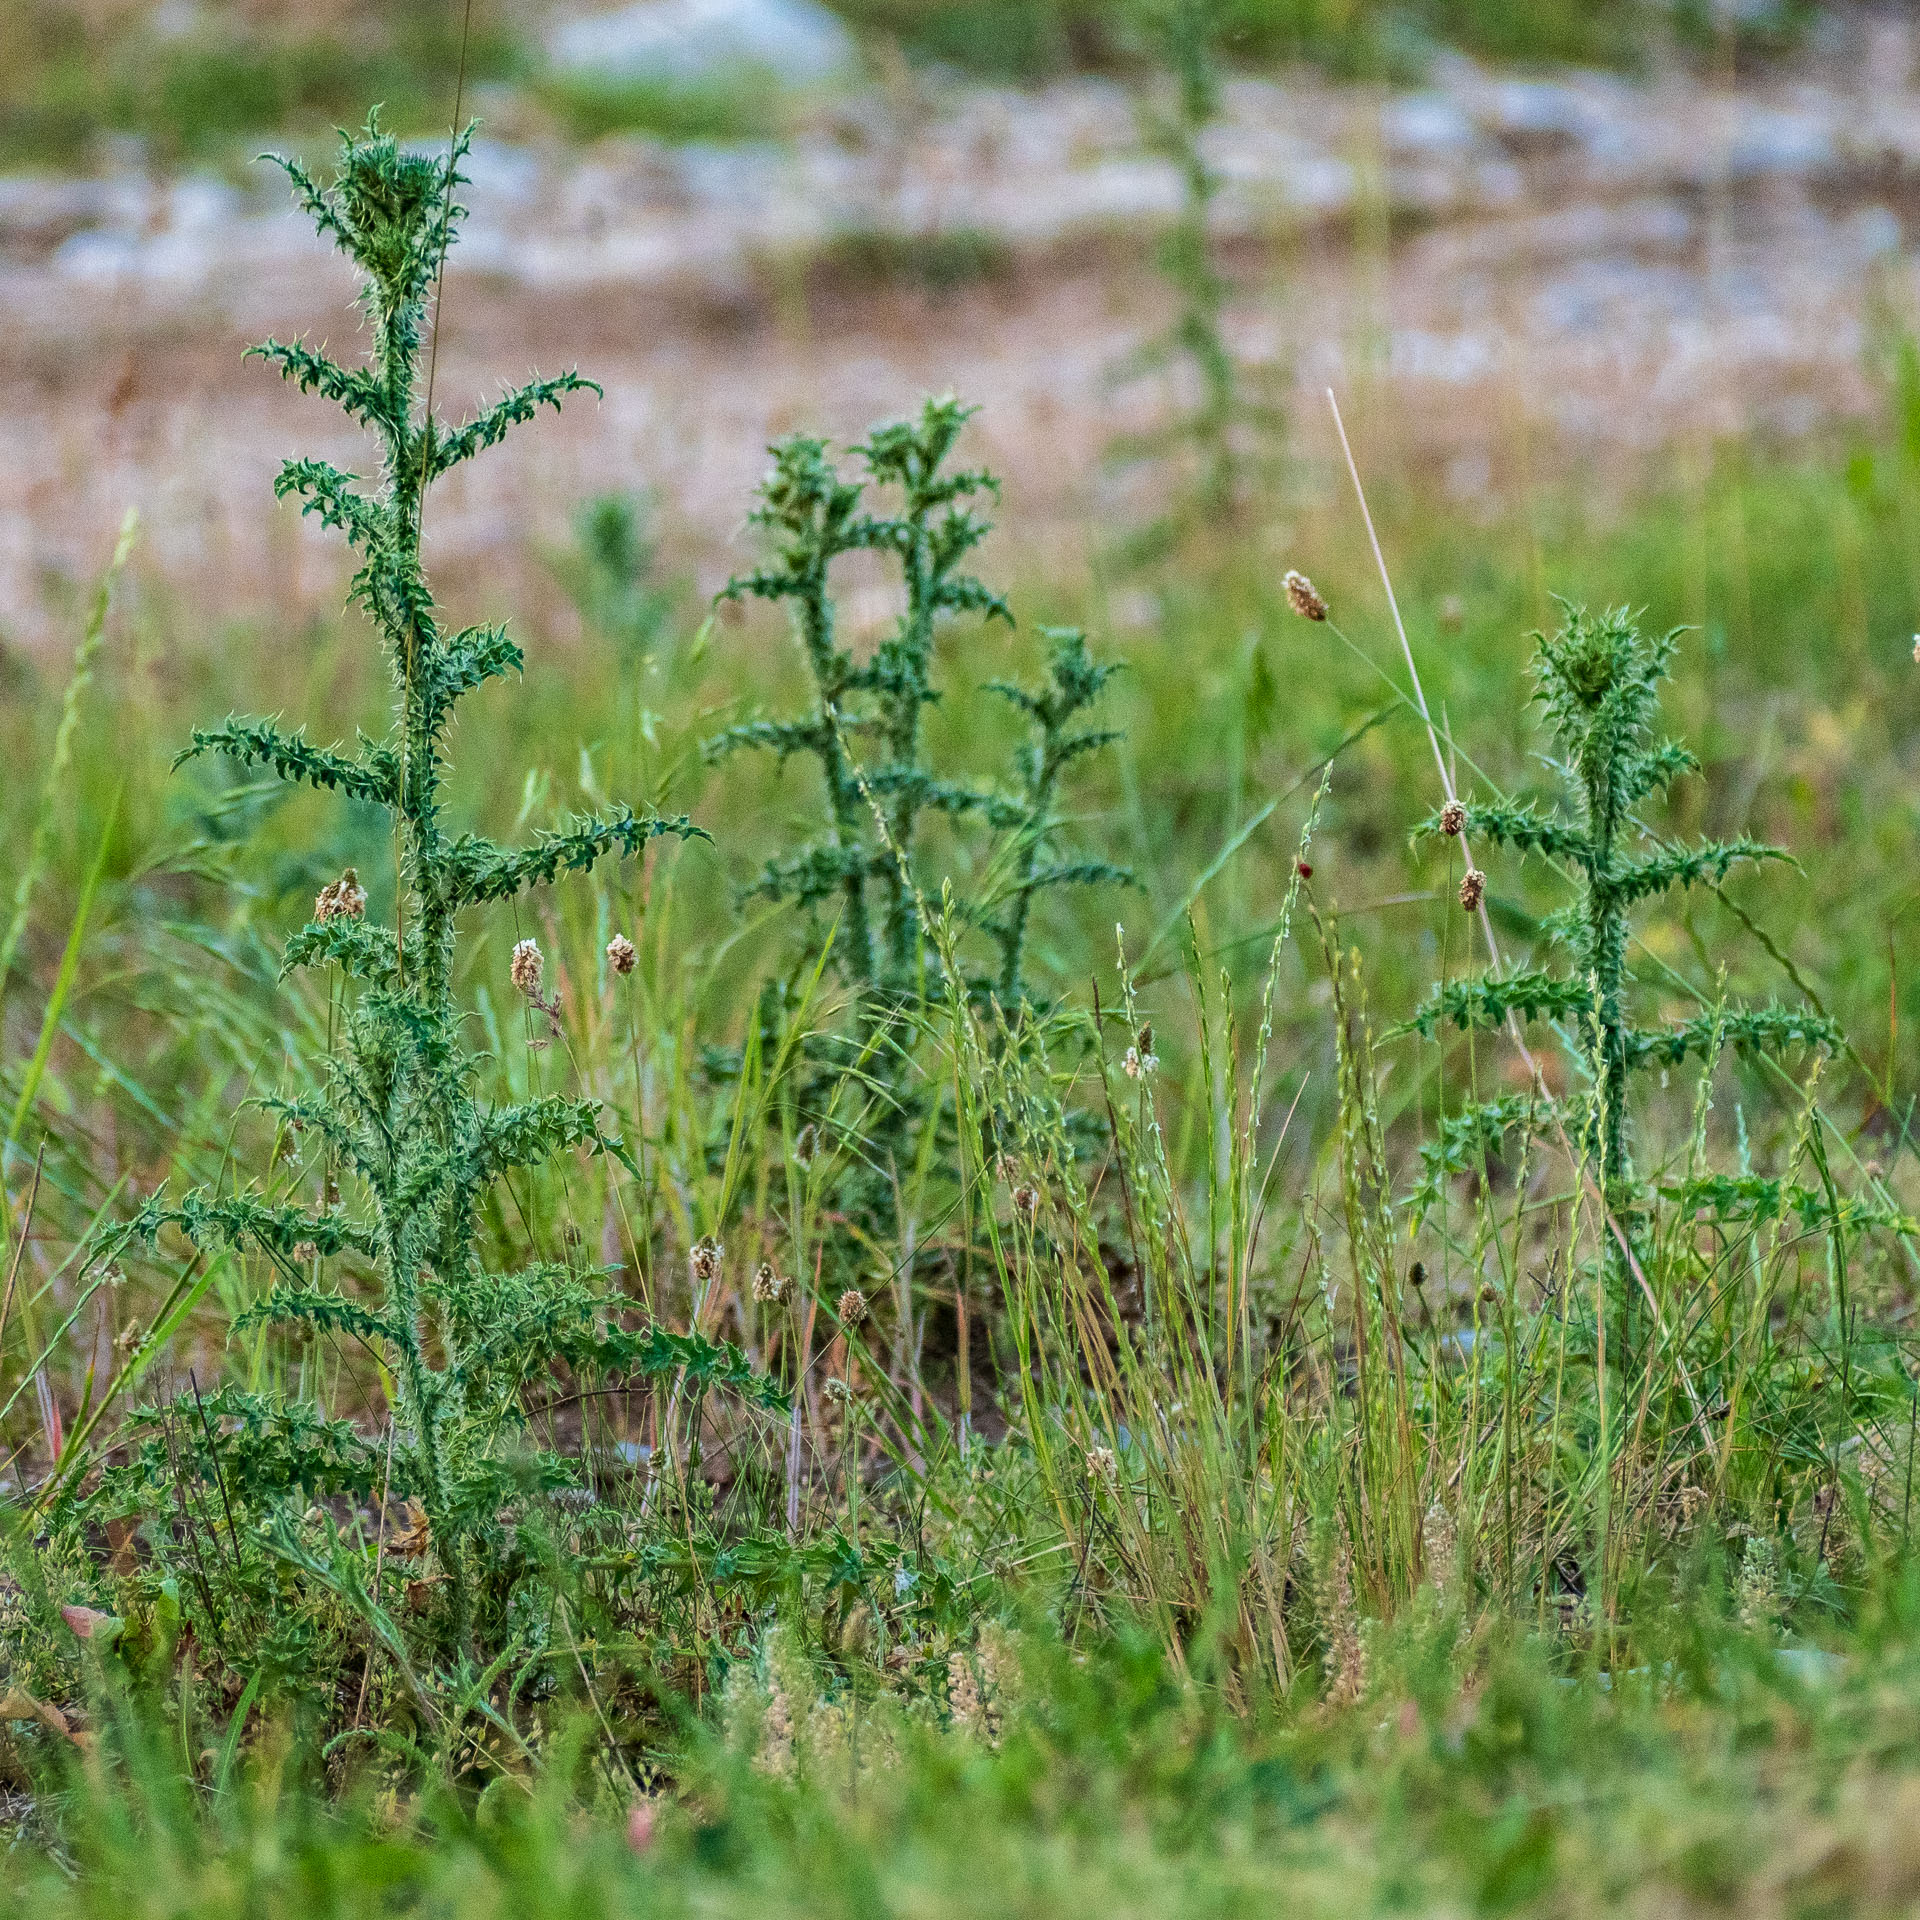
x=1564, y=234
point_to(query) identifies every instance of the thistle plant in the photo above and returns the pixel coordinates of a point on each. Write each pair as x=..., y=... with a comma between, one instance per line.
x=865, y=731
x=613, y=577
x=397, y=1116
x=1209, y=430
x=1598, y=680
x=1074, y=683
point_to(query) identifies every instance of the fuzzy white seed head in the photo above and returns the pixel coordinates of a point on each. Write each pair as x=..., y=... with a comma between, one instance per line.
x=1140, y=1058
x=527, y=967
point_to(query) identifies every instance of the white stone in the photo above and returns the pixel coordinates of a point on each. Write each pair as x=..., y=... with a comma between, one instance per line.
x=684, y=42
x=1430, y=125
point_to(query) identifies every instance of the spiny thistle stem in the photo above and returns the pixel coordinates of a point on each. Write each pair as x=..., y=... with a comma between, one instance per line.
x=1219, y=422
x=398, y=1108
x=910, y=456
x=1075, y=683
x=873, y=811
x=1598, y=681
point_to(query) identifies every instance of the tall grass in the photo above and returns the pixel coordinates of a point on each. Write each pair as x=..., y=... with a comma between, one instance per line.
x=814, y=1317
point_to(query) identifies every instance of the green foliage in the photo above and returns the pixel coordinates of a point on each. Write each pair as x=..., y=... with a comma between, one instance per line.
x=743, y=105
x=1033, y=40
x=1598, y=681
x=1334, y=1554
x=613, y=576
x=1211, y=435
x=396, y=1117
x=865, y=865
x=73, y=73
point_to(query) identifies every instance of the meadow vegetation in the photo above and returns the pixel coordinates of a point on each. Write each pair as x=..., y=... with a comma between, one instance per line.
x=197, y=84
x=981, y=1271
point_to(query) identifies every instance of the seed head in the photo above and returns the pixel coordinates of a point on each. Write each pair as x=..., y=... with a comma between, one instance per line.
x=705, y=1259
x=1140, y=1058
x=768, y=1286
x=1473, y=889
x=1026, y=1201
x=838, y=1391
x=1346, y=1651
x=1439, y=1545
x=342, y=899
x=963, y=1694
x=305, y=1252
x=851, y=1307
x=620, y=954
x=1453, y=817
x=1102, y=1466
x=527, y=966
x=806, y=1144
x=1302, y=598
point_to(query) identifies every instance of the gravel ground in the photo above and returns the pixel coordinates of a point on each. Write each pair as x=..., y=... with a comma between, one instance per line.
x=1583, y=268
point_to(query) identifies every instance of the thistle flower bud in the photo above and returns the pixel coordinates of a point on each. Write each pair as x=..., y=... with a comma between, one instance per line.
x=768, y=1286
x=851, y=1307
x=1473, y=889
x=1453, y=819
x=1301, y=596
x=704, y=1259
x=527, y=966
x=620, y=954
x=342, y=899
